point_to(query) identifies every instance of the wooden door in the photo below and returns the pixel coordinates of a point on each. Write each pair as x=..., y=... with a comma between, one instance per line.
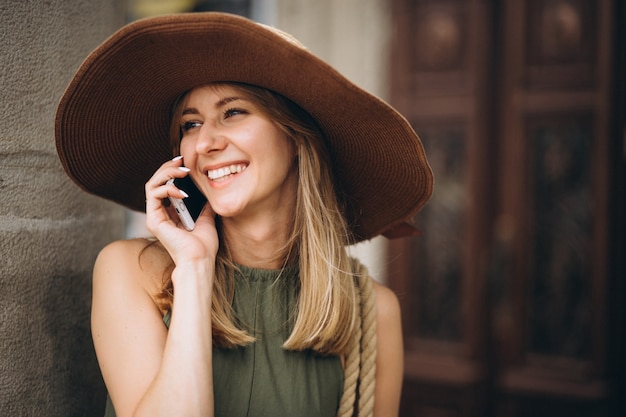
x=506, y=295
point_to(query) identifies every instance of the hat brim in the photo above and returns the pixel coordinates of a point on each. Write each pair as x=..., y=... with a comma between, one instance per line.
x=112, y=123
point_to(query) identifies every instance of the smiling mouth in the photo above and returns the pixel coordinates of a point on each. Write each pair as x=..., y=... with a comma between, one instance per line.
x=219, y=175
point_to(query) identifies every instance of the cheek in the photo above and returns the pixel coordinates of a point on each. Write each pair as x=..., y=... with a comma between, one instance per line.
x=186, y=148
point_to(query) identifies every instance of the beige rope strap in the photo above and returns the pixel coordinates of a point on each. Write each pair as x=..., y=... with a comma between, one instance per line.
x=360, y=363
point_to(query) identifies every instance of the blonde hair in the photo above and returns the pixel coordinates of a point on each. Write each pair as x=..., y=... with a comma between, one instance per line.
x=326, y=309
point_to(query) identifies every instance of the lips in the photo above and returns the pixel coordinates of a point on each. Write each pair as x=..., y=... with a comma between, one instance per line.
x=223, y=173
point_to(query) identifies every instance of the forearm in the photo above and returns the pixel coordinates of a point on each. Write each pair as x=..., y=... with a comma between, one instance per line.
x=184, y=383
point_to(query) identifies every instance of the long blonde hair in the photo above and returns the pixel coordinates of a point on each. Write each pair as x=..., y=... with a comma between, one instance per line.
x=326, y=308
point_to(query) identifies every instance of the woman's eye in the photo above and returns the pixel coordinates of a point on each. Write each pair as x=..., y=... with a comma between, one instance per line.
x=186, y=126
x=233, y=112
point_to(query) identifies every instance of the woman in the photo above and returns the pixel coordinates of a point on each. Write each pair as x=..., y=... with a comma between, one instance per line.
x=258, y=310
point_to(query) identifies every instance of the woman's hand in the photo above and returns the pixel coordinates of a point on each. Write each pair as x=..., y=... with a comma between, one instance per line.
x=161, y=219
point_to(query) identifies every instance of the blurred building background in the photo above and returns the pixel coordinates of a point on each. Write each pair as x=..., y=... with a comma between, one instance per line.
x=513, y=297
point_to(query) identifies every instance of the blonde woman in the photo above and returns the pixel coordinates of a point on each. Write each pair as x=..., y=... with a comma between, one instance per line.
x=258, y=310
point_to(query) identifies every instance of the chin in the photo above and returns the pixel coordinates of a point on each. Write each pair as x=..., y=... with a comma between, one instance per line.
x=227, y=210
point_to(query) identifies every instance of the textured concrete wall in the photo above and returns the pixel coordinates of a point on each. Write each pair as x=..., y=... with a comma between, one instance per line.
x=50, y=230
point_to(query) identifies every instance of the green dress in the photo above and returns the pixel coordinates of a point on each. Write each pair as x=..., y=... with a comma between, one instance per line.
x=262, y=379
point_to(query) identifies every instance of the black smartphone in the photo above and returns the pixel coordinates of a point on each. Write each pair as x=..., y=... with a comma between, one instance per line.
x=188, y=209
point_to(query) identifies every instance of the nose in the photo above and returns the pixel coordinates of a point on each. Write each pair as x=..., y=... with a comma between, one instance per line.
x=210, y=140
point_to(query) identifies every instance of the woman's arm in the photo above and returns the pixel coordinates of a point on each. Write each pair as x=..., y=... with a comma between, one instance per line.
x=390, y=353
x=148, y=370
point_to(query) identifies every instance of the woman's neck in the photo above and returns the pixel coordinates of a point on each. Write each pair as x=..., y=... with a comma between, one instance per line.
x=257, y=245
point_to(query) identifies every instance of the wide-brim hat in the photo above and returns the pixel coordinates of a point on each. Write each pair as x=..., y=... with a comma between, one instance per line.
x=112, y=123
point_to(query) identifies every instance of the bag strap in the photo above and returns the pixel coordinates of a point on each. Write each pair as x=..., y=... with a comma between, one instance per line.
x=357, y=399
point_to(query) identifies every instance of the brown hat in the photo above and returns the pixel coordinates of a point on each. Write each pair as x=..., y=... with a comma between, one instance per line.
x=112, y=123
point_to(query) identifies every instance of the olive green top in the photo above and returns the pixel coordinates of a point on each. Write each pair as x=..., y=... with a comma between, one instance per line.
x=263, y=379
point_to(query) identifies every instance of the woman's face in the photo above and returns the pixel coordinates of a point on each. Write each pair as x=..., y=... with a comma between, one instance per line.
x=239, y=158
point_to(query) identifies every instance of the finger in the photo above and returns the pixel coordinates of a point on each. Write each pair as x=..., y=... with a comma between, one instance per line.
x=158, y=197
x=171, y=211
x=163, y=176
x=168, y=170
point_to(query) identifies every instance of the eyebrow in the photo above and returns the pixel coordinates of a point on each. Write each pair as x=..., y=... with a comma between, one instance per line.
x=220, y=103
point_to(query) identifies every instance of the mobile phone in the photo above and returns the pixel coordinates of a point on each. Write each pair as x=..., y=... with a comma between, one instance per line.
x=188, y=209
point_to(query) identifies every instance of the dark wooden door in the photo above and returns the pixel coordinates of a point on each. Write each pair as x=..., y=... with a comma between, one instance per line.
x=507, y=295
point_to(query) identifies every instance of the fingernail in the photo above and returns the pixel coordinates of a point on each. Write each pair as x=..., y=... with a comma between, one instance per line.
x=178, y=158
x=183, y=193
x=184, y=169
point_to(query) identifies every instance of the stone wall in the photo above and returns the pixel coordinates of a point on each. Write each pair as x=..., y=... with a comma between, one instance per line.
x=50, y=230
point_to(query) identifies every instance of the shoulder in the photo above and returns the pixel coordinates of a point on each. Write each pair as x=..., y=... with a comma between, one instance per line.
x=387, y=304
x=130, y=250
x=390, y=352
x=135, y=263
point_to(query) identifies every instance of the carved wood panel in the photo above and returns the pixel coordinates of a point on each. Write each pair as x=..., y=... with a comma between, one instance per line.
x=504, y=293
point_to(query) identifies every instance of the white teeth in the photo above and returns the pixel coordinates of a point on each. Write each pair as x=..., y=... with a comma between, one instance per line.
x=222, y=173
